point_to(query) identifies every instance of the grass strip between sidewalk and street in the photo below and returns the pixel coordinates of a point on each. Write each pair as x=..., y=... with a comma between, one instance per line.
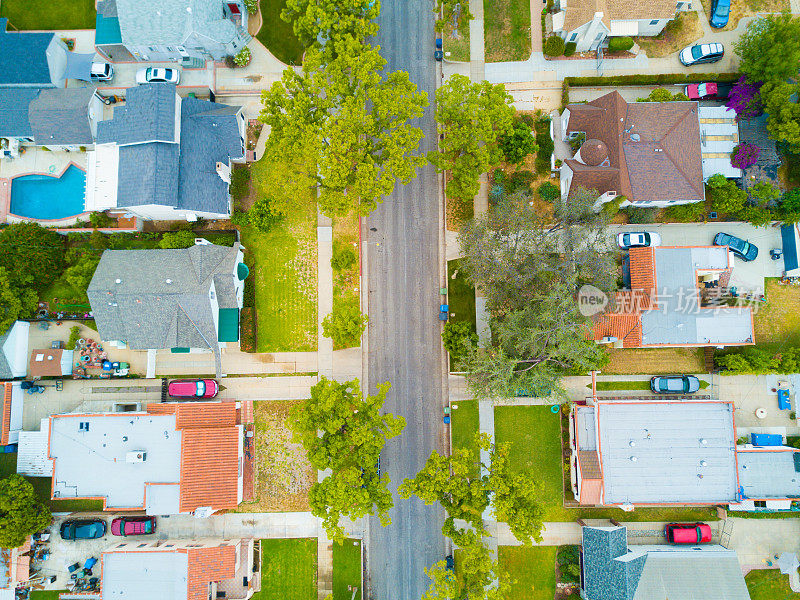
x=347, y=570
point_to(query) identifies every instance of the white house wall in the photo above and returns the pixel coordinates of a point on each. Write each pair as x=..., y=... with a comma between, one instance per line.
x=158, y=212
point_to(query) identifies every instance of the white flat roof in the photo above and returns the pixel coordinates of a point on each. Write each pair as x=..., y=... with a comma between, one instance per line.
x=764, y=474
x=32, y=454
x=145, y=575
x=92, y=462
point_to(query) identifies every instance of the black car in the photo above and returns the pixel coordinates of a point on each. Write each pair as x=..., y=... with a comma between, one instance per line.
x=83, y=529
x=743, y=249
x=675, y=384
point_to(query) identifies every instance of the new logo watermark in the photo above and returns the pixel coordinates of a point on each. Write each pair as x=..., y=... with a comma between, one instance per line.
x=591, y=300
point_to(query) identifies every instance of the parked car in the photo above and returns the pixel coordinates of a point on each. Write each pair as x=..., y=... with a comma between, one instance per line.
x=708, y=91
x=687, y=533
x=701, y=53
x=157, y=75
x=720, y=9
x=675, y=384
x=83, y=529
x=133, y=526
x=638, y=239
x=101, y=71
x=741, y=248
x=193, y=388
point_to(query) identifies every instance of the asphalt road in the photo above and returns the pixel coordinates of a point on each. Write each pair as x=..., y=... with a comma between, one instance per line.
x=404, y=332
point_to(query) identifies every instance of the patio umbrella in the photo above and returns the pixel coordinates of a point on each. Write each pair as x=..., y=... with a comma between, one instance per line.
x=788, y=562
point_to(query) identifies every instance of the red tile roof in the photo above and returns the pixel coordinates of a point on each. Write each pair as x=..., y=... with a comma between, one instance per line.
x=207, y=565
x=590, y=491
x=209, y=468
x=625, y=327
x=5, y=416
x=643, y=275
x=197, y=415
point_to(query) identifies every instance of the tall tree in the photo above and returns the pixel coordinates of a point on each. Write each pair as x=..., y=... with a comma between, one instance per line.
x=21, y=511
x=472, y=118
x=31, y=254
x=317, y=21
x=768, y=49
x=345, y=433
x=780, y=102
x=342, y=126
x=15, y=303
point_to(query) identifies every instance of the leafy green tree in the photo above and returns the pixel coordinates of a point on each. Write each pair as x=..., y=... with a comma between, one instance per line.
x=82, y=265
x=472, y=117
x=725, y=195
x=664, y=95
x=316, y=21
x=264, y=215
x=458, y=337
x=345, y=324
x=177, y=239
x=447, y=8
x=21, y=512
x=340, y=125
x=519, y=143
x=31, y=254
x=345, y=432
x=768, y=49
x=790, y=206
x=444, y=584
x=781, y=105
x=14, y=303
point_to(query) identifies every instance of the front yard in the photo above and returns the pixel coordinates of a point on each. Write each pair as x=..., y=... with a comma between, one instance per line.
x=679, y=33
x=288, y=569
x=507, y=30
x=277, y=35
x=769, y=584
x=347, y=570
x=45, y=14
x=532, y=571
x=654, y=361
x=777, y=322
x=748, y=8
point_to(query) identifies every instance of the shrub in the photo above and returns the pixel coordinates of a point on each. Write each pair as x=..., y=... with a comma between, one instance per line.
x=744, y=155
x=641, y=215
x=100, y=219
x=549, y=192
x=343, y=257
x=686, y=213
x=98, y=240
x=545, y=143
x=725, y=195
x=569, y=48
x=457, y=337
x=554, y=46
x=611, y=207
x=564, y=94
x=243, y=58
x=519, y=143
x=251, y=6
x=620, y=44
x=745, y=99
x=659, y=79
x=240, y=180
x=240, y=218
x=32, y=255
x=520, y=181
x=74, y=334
x=345, y=324
x=177, y=239
x=263, y=216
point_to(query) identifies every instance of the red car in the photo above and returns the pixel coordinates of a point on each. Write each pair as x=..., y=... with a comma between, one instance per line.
x=704, y=91
x=193, y=388
x=687, y=533
x=133, y=526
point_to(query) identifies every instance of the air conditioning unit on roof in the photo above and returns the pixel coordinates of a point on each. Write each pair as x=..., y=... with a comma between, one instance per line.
x=138, y=456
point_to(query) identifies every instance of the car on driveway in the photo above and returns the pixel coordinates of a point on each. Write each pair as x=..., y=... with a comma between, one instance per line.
x=701, y=53
x=741, y=248
x=193, y=388
x=638, y=239
x=83, y=529
x=158, y=75
x=687, y=533
x=675, y=384
x=133, y=526
x=720, y=9
x=708, y=91
x=101, y=71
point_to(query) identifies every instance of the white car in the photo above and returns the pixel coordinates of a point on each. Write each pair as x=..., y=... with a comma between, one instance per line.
x=158, y=75
x=638, y=239
x=101, y=71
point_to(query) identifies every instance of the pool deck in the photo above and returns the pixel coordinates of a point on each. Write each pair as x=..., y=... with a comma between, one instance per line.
x=5, y=198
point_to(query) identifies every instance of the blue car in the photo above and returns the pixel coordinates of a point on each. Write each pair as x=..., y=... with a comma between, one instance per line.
x=720, y=9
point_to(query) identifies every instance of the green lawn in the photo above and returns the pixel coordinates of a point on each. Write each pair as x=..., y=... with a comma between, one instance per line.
x=507, y=34
x=45, y=14
x=769, y=584
x=288, y=569
x=460, y=294
x=631, y=385
x=46, y=594
x=457, y=47
x=283, y=275
x=347, y=570
x=277, y=35
x=532, y=571
x=464, y=423
x=534, y=433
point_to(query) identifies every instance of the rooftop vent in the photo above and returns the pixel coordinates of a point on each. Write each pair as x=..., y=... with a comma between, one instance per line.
x=118, y=281
x=138, y=456
x=703, y=442
x=634, y=459
x=635, y=137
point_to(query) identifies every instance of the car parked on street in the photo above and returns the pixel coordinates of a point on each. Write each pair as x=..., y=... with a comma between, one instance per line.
x=158, y=75
x=708, y=91
x=720, y=10
x=133, y=526
x=193, y=388
x=687, y=533
x=83, y=529
x=638, y=239
x=741, y=248
x=675, y=384
x=101, y=71
x=701, y=53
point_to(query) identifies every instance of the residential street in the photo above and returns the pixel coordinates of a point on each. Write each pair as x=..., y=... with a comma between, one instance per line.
x=404, y=331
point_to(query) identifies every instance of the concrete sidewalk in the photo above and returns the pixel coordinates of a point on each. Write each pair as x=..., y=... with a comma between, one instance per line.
x=324, y=293
x=235, y=362
x=476, y=42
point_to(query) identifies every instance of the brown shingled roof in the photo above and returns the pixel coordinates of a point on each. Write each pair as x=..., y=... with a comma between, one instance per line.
x=207, y=565
x=209, y=468
x=5, y=414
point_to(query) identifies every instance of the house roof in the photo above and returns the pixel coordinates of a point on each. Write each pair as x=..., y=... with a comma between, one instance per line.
x=14, y=111
x=5, y=411
x=580, y=12
x=23, y=58
x=606, y=578
x=14, y=351
x=61, y=116
x=765, y=474
x=148, y=115
x=50, y=362
x=654, y=148
x=206, y=565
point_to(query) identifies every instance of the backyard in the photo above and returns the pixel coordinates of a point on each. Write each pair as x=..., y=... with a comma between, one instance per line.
x=45, y=14
x=283, y=474
x=347, y=570
x=777, y=323
x=532, y=571
x=680, y=32
x=507, y=30
x=288, y=569
x=276, y=34
x=769, y=584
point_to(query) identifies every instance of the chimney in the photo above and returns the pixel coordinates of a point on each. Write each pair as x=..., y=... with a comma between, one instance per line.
x=224, y=172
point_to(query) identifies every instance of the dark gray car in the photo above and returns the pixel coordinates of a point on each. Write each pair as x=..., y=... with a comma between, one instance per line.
x=675, y=384
x=743, y=249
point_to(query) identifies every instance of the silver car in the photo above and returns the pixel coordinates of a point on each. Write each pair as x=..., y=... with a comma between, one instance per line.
x=158, y=75
x=638, y=239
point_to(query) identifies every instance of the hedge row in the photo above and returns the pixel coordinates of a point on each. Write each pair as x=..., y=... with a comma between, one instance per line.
x=663, y=78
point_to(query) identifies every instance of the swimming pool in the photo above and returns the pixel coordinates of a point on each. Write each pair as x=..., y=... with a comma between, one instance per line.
x=47, y=197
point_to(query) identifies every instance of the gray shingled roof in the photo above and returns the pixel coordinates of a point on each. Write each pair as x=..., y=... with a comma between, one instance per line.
x=148, y=115
x=604, y=577
x=148, y=174
x=162, y=298
x=5, y=368
x=151, y=22
x=61, y=116
x=14, y=111
x=23, y=58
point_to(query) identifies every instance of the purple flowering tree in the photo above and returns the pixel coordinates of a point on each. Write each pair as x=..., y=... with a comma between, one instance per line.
x=745, y=99
x=744, y=155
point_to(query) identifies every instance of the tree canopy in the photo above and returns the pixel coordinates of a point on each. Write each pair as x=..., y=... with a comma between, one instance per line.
x=14, y=303
x=345, y=433
x=31, y=254
x=768, y=49
x=21, y=511
x=472, y=118
x=317, y=21
x=784, y=112
x=519, y=143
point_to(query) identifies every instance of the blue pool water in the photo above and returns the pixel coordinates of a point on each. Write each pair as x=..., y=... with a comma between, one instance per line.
x=46, y=197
